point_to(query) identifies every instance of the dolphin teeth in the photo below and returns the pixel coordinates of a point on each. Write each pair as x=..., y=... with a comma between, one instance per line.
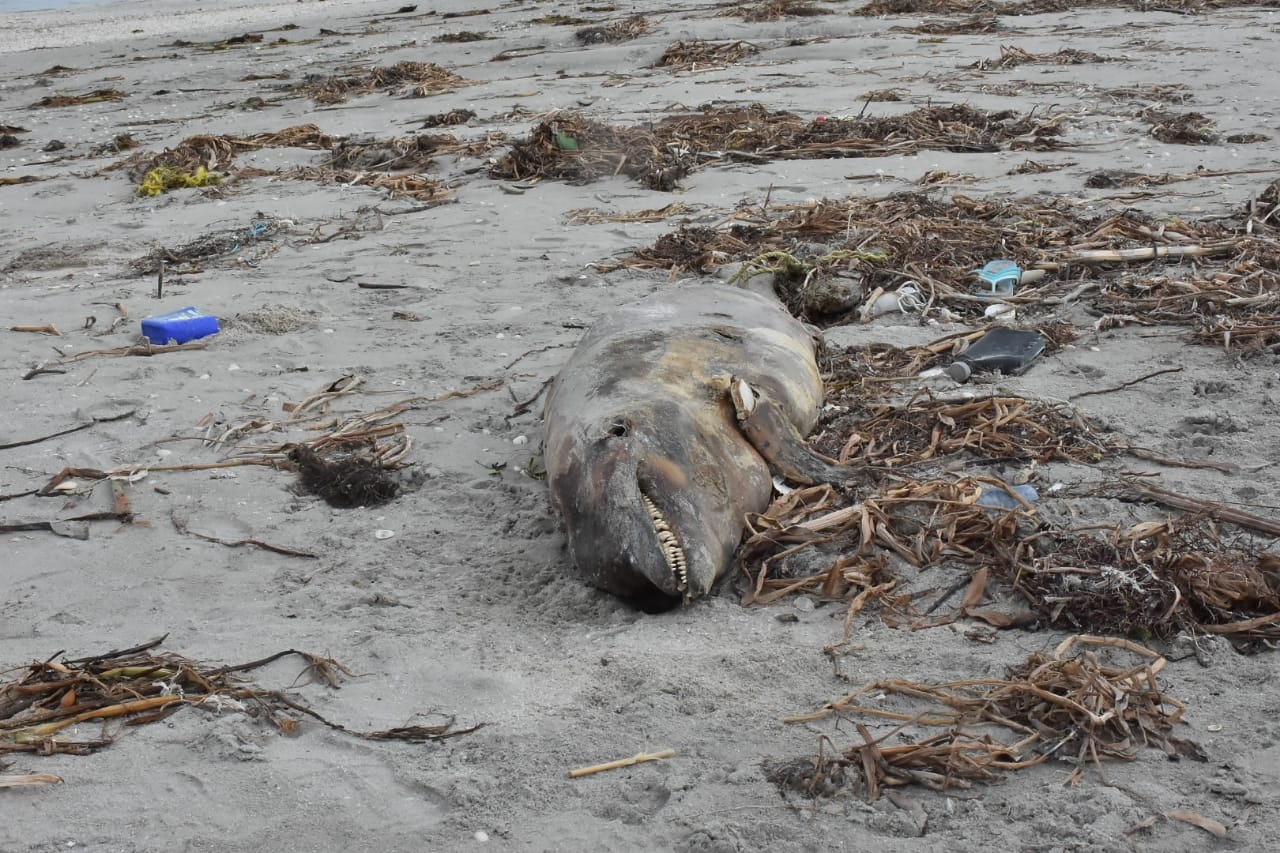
x=677, y=562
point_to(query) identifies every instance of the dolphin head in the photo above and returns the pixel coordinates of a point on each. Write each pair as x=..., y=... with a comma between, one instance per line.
x=654, y=500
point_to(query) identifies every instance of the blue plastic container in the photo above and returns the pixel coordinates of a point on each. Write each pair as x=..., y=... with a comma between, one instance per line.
x=178, y=327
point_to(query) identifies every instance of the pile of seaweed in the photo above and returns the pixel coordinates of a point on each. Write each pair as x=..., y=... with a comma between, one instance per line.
x=1218, y=278
x=395, y=165
x=44, y=700
x=1093, y=699
x=405, y=79
x=569, y=146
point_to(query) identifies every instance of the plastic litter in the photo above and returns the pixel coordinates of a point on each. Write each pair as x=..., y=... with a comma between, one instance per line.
x=1007, y=350
x=1002, y=275
x=186, y=324
x=1003, y=498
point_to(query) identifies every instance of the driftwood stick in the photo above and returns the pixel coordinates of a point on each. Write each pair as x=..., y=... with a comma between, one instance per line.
x=1146, y=253
x=29, y=779
x=1124, y=385
x=1269, y=526
x=621, y=762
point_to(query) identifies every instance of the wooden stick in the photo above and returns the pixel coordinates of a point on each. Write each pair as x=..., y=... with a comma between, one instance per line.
x=29, y=779
x=1261, y=524
x=1124, y=385
x=1112, y=256
x=48, y=329
x=621, y=762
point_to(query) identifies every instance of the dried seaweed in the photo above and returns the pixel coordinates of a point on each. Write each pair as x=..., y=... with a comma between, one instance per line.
x=573, y=148
x=972, y=25
x=461, y=37
x=95, y=97
x=218, y=153
x=224, y=244
x=1180, y=128
x=704, y=55
x=1156, y=578
x=421, y=188
x=1228, y=294
x=1074, y=705
x=773, y=10
x=878, y=8
x=136, y=686
x=926, y=428
x=1011, y=57
x=615, y=31
x=569, y=146
x=345, y=479
x=407, y=79
x=449, y=119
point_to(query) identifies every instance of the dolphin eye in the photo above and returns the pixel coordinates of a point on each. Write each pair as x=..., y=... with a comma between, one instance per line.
x=618, y=428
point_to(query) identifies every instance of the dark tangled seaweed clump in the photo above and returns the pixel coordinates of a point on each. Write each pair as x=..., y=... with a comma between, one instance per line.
x=346, y=482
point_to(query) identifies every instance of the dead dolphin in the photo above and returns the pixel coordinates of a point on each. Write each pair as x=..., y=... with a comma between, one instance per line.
x=660, y=432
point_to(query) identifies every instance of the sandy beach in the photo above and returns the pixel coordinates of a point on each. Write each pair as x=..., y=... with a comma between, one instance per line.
x=400, y=263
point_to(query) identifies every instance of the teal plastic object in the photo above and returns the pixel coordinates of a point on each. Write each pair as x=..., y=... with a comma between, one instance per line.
x=1002, y=275
x=178, y=327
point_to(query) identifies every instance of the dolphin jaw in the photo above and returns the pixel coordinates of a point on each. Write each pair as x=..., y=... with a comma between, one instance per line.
x=672, y=551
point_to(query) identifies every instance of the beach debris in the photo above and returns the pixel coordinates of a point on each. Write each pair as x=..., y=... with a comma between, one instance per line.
x=181, y=525
x=1005, y=496
x=1228, y=296
x=178, y=327
x=406, y=79
x=616, y=31
x=95, y=97
x=1001, y=275
x=460, y=37
x=973, y=25
x=77, y=527
x=773, y=10
x=8, y=140
x=46, y=329
x=596, y=216
x=396, y=164
x=118, y=144
x=231, y=41
x=116, y=410
x=29, y=779
x=1084, y=703
x=1152, y=578
x=346, y=480
x=704, y=55
x=222, y=245
x=1011, y=57
x=164, y=178
x=137, y=686
x=218, y=153
x=449, y=119
x=1003, y=349
x=639, y=758
x=144, y=350
x=571, y=147
x=1180, y=128
x=1208, y=824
